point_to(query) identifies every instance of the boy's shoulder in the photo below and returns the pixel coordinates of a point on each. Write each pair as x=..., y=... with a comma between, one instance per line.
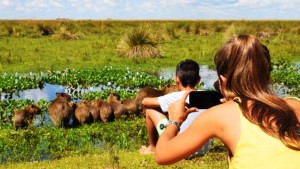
x=181, y=92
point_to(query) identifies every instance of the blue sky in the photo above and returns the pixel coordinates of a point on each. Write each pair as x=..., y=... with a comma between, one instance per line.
x=150, y=9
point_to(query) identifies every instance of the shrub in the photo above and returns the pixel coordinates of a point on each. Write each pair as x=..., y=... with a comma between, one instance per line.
x=44, y=30
x=65, y=34
x=138, y=43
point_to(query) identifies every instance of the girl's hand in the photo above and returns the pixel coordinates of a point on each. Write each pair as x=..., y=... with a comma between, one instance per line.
x=178, y=110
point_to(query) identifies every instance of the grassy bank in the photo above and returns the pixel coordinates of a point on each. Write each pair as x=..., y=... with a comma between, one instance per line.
x=122, y=159
x=99, y=145
x=32, y=46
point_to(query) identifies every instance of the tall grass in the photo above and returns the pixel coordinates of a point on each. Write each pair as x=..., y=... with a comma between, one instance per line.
x=138, y=44
x=39, y=45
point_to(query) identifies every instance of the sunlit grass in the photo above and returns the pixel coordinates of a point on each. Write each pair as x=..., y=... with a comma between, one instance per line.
x=114, y=158
x=24, y=48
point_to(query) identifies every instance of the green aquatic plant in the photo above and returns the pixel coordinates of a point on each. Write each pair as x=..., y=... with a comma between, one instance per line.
x=287, y=77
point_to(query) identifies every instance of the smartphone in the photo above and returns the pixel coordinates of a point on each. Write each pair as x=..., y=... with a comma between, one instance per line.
x=204, y=99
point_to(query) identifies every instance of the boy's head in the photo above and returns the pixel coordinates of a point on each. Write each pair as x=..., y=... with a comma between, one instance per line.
x=187, y=72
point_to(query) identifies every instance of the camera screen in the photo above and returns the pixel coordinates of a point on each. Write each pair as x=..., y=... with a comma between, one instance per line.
x=204, y=99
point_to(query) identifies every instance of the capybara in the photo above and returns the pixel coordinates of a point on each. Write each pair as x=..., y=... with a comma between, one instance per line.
x=61, y=110
x=152, y=92
x=95, y=112
x=119, y=109
x=131, y=106
x=86, y=113
x=23, y=117
x=106, y=110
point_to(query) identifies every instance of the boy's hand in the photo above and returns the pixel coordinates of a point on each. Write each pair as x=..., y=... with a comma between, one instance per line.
x=178, y=110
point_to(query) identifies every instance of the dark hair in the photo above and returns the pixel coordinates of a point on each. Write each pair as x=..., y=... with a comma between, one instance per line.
x=188, y=73
x=246, y=65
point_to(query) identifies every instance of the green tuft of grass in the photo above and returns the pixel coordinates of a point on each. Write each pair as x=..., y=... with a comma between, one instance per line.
x=138, y=44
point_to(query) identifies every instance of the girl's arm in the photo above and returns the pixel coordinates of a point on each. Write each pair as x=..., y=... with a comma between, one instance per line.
x=172, y=147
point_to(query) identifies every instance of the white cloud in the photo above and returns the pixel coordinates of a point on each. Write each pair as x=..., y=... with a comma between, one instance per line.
x=36, y=5
x=176, y=2
x=127, y=6
x=57, y=3
x=92, y=5
x=193, y=9
x=148, y=6
x=267, y=3
x=4, y=3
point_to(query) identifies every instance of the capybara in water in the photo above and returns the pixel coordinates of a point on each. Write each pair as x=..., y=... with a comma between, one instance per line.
x=23, y=118
x=106, y=110
x=152, y=92
x=61, y=110
x=119, y=109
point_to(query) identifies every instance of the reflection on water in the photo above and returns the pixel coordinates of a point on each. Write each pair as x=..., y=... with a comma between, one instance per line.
x=48, y=92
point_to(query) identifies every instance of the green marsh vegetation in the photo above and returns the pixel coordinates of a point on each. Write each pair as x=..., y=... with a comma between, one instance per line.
x=87, y=53
x=38, y=45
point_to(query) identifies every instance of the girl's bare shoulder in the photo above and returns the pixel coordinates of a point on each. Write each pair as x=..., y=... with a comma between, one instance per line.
x=222, y=116
x=225, y=110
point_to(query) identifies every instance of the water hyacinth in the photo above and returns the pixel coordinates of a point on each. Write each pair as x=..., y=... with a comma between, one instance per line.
x=123, y=78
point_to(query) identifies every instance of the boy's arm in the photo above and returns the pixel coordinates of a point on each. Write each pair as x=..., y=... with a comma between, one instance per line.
x=150, y=102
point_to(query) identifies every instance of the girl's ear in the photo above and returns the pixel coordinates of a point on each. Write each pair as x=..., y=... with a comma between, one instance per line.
x=222, y=81
x=229, y=95
x=223, y=78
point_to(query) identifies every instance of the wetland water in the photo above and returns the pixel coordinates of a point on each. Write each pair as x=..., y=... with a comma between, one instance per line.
x=208, y=77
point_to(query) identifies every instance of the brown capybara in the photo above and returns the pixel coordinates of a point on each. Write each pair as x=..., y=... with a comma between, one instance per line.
x=86, y=113
x=152, y=92
x=106, y=111
x=23, y=117
x=61, y=110
x=95, y=112
x=130, y=105
x=82, y=113
x=169, y=89
x=115, y=102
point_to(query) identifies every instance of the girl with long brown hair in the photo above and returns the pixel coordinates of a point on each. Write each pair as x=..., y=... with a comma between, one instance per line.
x=259, y=129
